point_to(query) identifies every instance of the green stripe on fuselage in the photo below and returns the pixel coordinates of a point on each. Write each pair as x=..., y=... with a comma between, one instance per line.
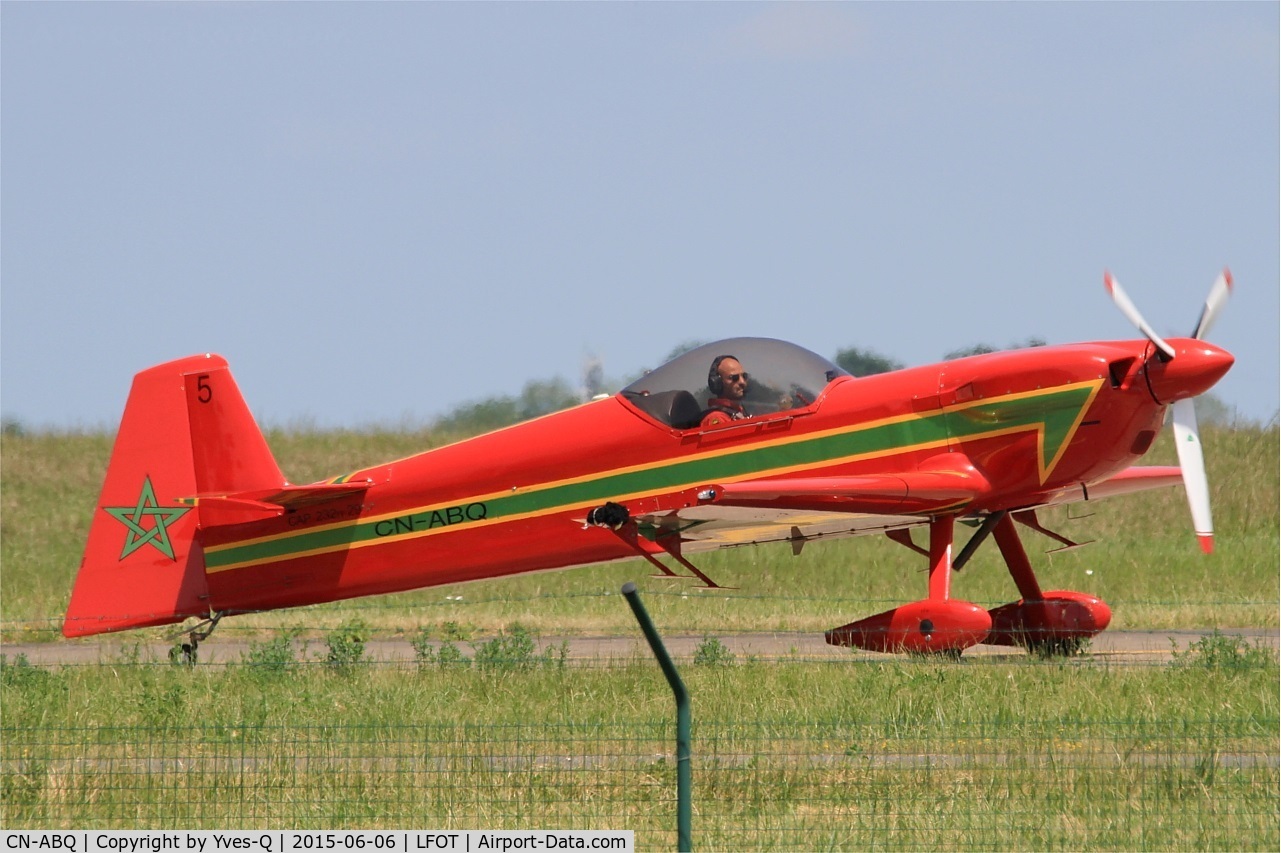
x=1056, y=411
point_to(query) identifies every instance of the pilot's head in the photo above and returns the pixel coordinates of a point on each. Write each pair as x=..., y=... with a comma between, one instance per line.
x=727, y=379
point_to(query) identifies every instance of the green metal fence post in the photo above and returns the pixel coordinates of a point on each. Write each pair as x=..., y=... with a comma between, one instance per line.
x=684, y=774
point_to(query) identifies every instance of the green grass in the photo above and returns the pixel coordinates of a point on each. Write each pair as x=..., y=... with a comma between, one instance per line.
x=272, y=685
x=481, y=731
x=1144, y=562
x=898, y=754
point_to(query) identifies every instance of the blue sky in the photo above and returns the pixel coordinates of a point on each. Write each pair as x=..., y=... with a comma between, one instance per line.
x=379, y=211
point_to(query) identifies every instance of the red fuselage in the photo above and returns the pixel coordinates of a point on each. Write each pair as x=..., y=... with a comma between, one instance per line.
x=1037, y=423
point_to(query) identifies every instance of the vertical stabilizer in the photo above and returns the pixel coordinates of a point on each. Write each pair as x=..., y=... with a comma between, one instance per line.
x=229, y=453
x=186, y=430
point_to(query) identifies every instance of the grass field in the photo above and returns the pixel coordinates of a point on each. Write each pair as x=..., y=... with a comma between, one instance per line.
x=897, y=755
x=892, y=754
x=1144, y=562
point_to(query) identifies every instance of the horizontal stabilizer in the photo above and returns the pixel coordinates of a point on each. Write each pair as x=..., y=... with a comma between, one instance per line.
x=217, y=510
x=293, y=497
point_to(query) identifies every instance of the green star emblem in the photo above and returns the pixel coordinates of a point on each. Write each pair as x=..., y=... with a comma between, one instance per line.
x=132, y=518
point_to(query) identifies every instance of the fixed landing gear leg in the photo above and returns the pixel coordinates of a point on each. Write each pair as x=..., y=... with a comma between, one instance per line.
x=1007, y=539
x=187, y=652
x=938, y=624
x=1058, y=622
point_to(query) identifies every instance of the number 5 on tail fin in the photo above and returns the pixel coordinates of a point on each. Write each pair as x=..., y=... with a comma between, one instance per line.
x=186, y=431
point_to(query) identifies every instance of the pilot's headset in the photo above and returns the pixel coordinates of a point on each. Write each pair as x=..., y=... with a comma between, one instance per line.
x=716, y=382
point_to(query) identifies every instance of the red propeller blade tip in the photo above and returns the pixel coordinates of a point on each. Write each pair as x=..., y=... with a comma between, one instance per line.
x=1207, y=542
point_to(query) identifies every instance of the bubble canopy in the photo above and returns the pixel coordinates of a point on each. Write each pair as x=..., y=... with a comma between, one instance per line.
x=781, y=375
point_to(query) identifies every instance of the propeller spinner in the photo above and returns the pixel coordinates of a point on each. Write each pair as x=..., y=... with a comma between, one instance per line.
x=1179, y=374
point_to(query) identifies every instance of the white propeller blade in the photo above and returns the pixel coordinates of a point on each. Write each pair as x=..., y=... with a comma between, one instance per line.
x=1188, y=443
x=1132, y=313
x=1214, y=302
x=1187, y=439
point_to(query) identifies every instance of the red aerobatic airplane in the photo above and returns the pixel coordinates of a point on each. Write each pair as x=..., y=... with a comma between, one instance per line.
x=196, y=519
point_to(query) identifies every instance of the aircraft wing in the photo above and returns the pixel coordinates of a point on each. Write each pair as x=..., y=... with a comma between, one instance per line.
x=1137, y=478
x=799, y=509
x=707, y=528
x=917, y=491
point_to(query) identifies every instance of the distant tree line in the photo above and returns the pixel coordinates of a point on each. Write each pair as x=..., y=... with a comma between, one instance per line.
x=539, y=397
x=543, y=396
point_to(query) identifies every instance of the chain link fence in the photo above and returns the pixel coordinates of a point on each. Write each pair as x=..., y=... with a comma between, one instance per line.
x=886, y=784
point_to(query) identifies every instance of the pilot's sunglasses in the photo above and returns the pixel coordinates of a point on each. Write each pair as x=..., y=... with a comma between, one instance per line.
x=734, y=377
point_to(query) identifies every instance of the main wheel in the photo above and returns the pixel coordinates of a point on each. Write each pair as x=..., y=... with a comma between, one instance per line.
x=1058, y=647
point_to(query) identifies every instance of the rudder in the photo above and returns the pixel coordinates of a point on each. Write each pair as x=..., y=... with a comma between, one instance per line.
x=186, y=430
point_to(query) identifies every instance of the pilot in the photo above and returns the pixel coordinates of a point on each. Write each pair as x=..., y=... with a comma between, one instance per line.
x=727, y=380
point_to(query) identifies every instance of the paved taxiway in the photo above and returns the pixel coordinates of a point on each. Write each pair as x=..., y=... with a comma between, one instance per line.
x=1119, y=646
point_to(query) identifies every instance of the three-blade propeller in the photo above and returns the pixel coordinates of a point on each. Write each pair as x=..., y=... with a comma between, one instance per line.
x=1186, y=435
